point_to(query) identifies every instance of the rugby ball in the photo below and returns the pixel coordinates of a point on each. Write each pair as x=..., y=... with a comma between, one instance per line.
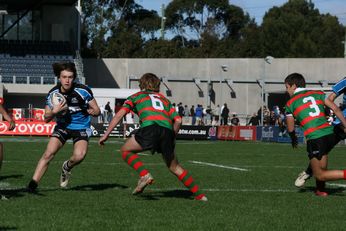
x=57, y=99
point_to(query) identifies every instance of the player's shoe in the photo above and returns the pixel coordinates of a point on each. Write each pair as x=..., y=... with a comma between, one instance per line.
x=3, y=198
x=201, y=197
x=65, y=176
x=321, y=193
x=32, y=187
x=302, y=177
x=143, y=182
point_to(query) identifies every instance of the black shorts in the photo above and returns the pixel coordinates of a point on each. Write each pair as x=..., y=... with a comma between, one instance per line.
x=157, y=139
x=64, y=134
x=339, y=133
x=321, y=146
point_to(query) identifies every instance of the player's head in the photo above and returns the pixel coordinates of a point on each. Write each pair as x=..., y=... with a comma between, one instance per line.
x=293, y=81
x=60, y=67
x=149, y=82
x=66, y=73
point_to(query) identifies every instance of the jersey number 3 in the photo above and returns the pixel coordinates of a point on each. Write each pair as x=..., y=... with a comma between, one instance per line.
x=313, y=106
x=156, y=102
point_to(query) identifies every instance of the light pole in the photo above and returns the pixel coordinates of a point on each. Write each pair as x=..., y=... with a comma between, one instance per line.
x=268, y=60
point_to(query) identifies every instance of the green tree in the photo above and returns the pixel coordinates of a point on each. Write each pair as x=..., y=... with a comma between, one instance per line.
x=297, y=29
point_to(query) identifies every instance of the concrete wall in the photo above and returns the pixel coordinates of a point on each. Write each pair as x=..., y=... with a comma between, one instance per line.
x=244, y=73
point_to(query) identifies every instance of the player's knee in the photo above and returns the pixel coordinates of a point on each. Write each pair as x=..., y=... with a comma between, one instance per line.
x=320, y=176
x=79, y=155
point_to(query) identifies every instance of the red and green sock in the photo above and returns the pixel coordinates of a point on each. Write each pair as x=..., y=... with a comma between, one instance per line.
x=132, y=159
x=189, y=182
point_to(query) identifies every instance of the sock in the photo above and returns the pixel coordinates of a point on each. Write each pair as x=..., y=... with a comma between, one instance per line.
x=66, y=167
x=32, y=185
x=344, y=174
x=132, y=159
x=189, y=182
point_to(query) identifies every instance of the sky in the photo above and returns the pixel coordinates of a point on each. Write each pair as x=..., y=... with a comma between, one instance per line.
x=257, y=8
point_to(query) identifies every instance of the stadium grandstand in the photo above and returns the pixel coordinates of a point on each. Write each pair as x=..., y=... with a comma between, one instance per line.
x=33, y=35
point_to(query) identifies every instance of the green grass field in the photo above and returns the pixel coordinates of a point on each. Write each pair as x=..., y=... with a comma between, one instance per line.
x=99, y=195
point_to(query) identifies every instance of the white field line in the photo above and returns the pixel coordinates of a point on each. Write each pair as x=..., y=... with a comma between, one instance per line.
x=338, y=185
x=219, y=166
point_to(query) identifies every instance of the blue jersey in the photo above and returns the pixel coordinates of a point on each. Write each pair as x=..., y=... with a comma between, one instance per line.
x=340, y=88
x=77, y=100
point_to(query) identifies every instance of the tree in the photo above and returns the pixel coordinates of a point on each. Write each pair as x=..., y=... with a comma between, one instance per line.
x=298, y=30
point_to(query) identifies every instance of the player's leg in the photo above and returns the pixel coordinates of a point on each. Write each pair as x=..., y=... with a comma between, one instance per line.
x=53, y=147
x=80, y=148
x=1, y=154
x=129, y=155
x=184, y=176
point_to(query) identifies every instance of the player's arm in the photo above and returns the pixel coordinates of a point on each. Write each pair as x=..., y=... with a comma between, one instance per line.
x=50, y=113
x=114, y=122
x=7, y=117
x=93, y=109
x=291, y=131
x=177, y=121
x=329, y=103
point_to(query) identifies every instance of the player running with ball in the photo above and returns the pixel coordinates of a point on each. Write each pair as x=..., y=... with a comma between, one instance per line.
x=159, y=125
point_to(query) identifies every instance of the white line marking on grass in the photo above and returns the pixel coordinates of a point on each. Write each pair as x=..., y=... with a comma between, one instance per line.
x=219, y=166
x=339, y=185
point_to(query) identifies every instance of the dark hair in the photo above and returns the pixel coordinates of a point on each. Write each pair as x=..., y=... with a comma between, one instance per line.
x=295, y=78
x=149, y=82
x=59, y=67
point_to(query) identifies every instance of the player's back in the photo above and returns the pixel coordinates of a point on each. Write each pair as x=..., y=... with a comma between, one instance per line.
x=307, y=107
x=151, y=108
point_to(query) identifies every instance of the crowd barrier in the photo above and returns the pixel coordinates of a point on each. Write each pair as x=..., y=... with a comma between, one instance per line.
x=187, y=132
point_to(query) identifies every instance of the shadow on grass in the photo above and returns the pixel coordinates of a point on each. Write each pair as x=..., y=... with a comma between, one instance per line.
x=331, y=191
x=97, y=187
x=12, y=193
x=183, y=194
x=11, y=176
x=5, y=228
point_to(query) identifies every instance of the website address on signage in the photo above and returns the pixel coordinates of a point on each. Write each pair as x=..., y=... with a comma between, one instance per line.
x=192, y=132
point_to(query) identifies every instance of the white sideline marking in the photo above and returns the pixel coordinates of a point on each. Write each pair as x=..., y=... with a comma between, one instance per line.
x=219, y=166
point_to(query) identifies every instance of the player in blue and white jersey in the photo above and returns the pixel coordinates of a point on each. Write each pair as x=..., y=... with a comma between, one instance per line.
x=73, y=121
x=337, y=90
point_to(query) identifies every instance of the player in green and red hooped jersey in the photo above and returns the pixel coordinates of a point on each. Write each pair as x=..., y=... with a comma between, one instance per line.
x=159, y=124
x=307, y=107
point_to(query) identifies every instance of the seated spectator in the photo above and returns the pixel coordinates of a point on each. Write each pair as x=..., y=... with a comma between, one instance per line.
x=235, y=120
x=254, y=120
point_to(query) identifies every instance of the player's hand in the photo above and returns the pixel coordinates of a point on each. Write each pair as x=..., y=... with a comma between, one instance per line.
x=294, y=139
x=102, y=140
x=12, y=125
x=59, y=108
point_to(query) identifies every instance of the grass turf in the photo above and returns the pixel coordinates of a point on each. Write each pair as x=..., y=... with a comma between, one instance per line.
x=99, y=195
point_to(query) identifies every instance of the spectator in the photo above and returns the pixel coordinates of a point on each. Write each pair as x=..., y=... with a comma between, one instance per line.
x=216, y=114
x=254, y=121
x=192, y=114
x=109, y=112
x=180, y=109
x=199, y=114
x=224, y=114
x=101, y=117
x=235, y=120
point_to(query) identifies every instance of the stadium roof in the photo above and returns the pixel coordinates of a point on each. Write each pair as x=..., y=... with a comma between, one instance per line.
x=17, y=5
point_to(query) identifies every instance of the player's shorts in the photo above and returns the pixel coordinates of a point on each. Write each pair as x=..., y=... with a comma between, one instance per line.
x=157, y=139
x=339, y=133
x=64, y=134
x=321, y=146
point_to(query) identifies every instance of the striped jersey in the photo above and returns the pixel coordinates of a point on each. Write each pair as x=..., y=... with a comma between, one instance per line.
x=308, y=108
x=77, y=100
x=340, y=88
x=152, y=108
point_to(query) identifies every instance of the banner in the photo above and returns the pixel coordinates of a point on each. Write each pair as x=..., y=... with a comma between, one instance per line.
x=276, y=134
x=28, y=128
x=236, y=133
x=191, y=132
